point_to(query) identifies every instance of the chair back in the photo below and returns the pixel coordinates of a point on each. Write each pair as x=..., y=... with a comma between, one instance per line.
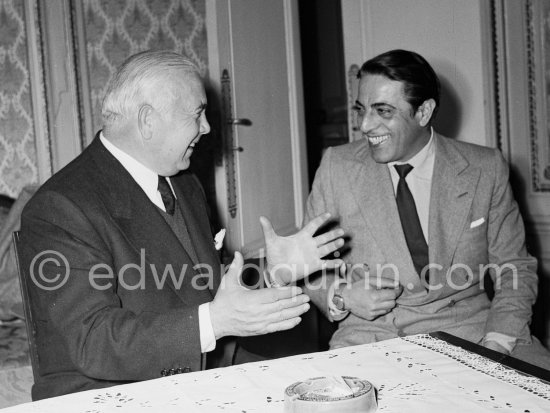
x=29, y=320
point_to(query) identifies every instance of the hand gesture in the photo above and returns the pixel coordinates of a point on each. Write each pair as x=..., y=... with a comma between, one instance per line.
x=371, y=297
x=238, y=311
x=296, y=256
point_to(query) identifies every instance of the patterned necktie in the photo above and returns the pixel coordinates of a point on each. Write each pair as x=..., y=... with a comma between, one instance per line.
x=410, y=221
x=167, y=195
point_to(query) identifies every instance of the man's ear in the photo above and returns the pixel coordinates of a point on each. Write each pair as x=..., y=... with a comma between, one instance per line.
x=145, y=121
x=425, y=112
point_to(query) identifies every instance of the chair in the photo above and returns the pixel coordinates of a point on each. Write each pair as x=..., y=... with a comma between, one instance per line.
x=29, y=321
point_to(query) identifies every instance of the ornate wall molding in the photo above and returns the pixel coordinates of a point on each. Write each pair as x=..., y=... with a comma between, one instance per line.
x=537, y=13
x=497, y=51
x=521, y=54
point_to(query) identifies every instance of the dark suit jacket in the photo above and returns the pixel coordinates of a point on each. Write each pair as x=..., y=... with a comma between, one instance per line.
x=132, y=323
x=473, y=222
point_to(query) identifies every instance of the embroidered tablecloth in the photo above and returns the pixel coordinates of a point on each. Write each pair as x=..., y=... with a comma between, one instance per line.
x=412, y=374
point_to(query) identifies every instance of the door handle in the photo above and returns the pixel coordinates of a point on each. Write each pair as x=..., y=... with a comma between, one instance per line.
x=240, y=121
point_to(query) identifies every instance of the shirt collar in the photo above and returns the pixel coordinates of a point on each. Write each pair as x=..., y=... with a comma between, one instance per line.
x=423, y=161
x=144, y=177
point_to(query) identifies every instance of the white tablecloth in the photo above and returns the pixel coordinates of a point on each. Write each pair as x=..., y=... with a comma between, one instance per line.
x=412, y=374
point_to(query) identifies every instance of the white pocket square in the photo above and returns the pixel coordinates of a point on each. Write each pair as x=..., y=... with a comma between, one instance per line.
x=218, y=239
x=477, y=222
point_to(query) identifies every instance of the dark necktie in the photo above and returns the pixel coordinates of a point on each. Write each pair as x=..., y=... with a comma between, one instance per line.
x=410, y=222
x=167, y=195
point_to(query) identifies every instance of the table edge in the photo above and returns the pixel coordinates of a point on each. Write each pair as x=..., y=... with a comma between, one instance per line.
x=508, y=361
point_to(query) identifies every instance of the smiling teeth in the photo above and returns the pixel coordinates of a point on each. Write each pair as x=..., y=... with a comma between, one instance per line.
x=377, y=140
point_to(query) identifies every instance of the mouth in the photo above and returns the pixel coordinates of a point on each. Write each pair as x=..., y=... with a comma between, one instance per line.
x=193, y=144
x=377, y=140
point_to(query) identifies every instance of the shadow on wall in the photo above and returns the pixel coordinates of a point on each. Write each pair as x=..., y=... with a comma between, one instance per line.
x=448, y=121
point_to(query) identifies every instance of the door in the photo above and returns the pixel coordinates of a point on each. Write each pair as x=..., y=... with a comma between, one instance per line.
x=255, y=71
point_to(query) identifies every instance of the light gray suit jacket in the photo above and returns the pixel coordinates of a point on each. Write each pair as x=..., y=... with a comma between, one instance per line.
x=469, y=185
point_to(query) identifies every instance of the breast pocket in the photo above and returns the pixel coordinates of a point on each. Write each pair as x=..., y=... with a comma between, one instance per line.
x=471, y=252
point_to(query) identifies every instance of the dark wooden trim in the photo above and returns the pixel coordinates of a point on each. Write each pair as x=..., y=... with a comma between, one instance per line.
x=508, y=361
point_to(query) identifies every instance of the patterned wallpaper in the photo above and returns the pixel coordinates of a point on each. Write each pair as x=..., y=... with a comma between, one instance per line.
x=18, y=160
x=116, y=29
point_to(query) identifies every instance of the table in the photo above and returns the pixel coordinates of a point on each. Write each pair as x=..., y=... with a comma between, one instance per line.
x=422, y=373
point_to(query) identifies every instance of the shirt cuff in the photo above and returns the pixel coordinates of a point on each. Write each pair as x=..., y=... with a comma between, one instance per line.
x=208, y=339
x=334, y=313
x=508, y=342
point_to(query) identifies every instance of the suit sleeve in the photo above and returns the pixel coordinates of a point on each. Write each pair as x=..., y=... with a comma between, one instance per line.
x=320, y=200
x=514, y=270
x=102, y=339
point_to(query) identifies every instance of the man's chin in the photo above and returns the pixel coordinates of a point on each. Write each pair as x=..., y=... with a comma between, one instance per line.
x=380, y=156
x=184, y=164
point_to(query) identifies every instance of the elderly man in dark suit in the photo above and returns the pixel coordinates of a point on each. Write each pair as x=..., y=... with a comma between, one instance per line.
x=126, y=279
x=434, y=214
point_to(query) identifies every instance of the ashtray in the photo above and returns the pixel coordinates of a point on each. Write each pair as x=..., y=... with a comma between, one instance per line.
x=331, y=394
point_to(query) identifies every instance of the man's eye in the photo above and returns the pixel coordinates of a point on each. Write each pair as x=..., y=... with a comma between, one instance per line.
x=359, y=110
x=385, y=112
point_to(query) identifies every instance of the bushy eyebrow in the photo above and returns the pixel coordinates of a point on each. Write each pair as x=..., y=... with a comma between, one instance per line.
x=381, y=104
x=359, y=105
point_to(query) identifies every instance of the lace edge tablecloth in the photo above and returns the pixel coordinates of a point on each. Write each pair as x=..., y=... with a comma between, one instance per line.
x=482, y=364
x=416, y=374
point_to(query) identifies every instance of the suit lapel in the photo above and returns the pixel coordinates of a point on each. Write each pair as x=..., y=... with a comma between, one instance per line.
x=371, y=186
x=454, y=184
x=192, y=202
x=141, y=221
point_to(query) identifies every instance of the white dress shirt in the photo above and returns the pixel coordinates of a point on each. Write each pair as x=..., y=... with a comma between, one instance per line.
x=148, y=181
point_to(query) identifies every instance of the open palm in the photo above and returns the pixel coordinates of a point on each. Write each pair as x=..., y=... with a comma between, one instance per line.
x=294, y=257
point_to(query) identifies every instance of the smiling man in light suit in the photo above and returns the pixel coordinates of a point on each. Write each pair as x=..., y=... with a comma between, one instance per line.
x=432, y=213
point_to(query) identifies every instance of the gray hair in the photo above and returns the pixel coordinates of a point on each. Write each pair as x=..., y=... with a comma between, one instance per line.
x=135, y=80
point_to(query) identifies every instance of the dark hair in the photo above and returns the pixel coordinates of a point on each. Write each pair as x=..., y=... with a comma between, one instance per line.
x=419, y=79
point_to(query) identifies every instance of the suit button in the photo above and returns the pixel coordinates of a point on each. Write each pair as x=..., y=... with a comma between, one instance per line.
x=451, y=303
x=179, y=370
x=186, y=370
x=171, y=372
x=163, y=372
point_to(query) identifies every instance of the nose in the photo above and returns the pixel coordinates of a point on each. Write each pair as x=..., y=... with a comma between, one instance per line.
x=205, y=126
x=368, y=121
